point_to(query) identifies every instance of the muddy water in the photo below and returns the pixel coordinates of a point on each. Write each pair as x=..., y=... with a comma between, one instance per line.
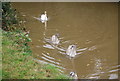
x=93, y=27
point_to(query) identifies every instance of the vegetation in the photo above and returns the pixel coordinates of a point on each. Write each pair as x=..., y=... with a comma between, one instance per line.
x=17, y=60
x=9, y=16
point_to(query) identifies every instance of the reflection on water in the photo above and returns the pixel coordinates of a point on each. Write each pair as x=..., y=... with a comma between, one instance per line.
x=92, y=27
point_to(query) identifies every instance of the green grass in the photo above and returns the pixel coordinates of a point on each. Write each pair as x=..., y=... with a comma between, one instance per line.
x=18, y=63
x=0, y=55
x=17, y=60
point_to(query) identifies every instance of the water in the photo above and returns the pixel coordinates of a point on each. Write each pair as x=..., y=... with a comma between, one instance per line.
x=92, y=27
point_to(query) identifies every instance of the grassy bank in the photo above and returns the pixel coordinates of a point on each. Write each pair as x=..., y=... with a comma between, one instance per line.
x=17, y=60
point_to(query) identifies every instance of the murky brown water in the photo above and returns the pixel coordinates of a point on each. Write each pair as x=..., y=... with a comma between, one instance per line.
x=93, y=26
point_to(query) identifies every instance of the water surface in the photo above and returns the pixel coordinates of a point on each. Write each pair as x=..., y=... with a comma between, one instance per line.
x=93, y=27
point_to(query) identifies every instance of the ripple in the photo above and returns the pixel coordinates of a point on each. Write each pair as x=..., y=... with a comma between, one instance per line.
x=92, y=48
x=115, y=70
x=45, y=62
x=48, y=56
x=50, y=60
x=82, y=49
x=48, y=46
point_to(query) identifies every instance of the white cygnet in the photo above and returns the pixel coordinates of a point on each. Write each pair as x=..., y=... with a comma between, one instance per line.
x=43, y=17
x=73, y=75
x=71, y=51
x=55, y=39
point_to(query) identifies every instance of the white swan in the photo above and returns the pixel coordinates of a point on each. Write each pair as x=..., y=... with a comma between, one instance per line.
x=71, y=51
x=73, y=75
x=43, y=17
x=55, y=39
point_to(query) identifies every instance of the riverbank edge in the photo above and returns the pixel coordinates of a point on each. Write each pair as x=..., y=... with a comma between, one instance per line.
x=18, y=62
x=17, y=59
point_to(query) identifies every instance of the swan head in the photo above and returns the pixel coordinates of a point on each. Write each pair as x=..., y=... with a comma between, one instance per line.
x=73, y=74
x=45, y=12
x=73, y=47
x=57, y=35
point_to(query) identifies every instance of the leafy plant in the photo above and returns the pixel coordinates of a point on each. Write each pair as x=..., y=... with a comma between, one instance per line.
x=9, y=16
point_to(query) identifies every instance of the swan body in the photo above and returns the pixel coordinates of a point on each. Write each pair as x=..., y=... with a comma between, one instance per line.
x=71, y=51
x=43, y=17
x=54, y=39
